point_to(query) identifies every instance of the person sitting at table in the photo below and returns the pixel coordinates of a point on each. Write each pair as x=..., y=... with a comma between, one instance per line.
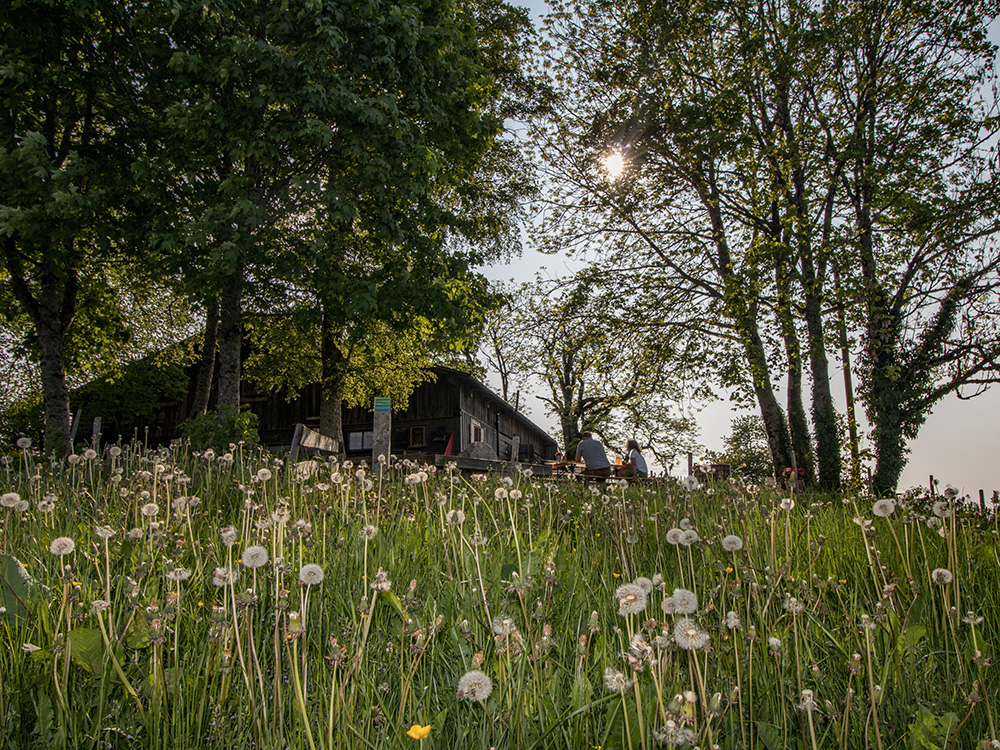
x=635, y=463
x=593, y=455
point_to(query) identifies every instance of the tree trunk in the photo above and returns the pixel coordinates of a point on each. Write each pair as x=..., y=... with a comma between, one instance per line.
x=51, y=312
x=824, y=413
x=230, y=341
x=55, y=395
x=206, y=369
x=334, y=373
x=798, y=425
x=774, y=420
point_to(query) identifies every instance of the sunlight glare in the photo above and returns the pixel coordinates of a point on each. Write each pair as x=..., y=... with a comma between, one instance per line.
x=614, y=165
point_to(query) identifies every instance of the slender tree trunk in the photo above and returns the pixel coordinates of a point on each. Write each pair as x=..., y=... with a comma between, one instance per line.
x=230, y=340
x=206, y=369
x=55, y=395
x=845, y=355
x=824, y=413
x=334, y=374
x=798, y=424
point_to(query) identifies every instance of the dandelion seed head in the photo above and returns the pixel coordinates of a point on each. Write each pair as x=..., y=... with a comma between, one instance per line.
x=9, y=499
x=24, y=443
x=228, y=536
x=689, y=636
x=311, y=574
x=149, y=510
x=178, y=574
x=264, y=474
x=62, y=545
x=474, y=686
x=942, y=576
x=645, y=584
x=368, y=532
x=732, y=543
x=689, y=537
x=254, y=556
x=674, y=536
x=884, y=507
x=504, y=625
x=685, y=602
x=616, y=681
x=631, y=599
x=455, y=517
x=104, y=532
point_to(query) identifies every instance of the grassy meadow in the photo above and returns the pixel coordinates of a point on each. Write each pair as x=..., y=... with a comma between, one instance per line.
x=173, y=599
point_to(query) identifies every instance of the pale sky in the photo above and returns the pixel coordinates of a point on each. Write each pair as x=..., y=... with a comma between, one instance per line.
x=958, y=444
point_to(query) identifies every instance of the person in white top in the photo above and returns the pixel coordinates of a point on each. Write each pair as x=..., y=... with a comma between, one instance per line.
x=636, y=462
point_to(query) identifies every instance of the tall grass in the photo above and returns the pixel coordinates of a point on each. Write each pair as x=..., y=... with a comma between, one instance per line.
x=228, y=601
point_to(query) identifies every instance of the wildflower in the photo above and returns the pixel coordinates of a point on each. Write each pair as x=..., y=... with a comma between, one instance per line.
x=263, y=474
x=311, y=574
x=228, y=535
x=732, y=620
x=24, y=443
x=689, y=537
x=149, y=509
x=690, y=483
x=114, y=451
x=674, y=536
x=476, y=539
x=72, y=459
x=669, y=606
x=787, y=503
x=47, y=504
x=732, y=543
x=104, y=532
x=223, y=577
x=616, y=681
x=658, y=581
x=455, y=517
x=368, y=532
x=504, y=625
x=685, y=602
x=281, y=514
x=89, y=455
x=793, y=605
x=685, y=524
x=645, y=584
x=9, y=499
x=941, y=509
x=971, y=618
x=474, y=686
x=631, y=599
x=689, y=636
x=20, y=506
x=99, y=605
x=381, y=582
x=500, y=494
x=774, y=645
x=134, y=535
x=808, y=701
x=254, y=557
x=884, y=507
x=942, y=576
x=417, y=732
x=179, y=574
x=62, y=545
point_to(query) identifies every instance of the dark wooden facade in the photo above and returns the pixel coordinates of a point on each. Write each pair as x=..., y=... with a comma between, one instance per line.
x=453, y=406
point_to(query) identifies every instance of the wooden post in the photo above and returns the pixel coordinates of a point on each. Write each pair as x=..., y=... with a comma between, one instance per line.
x=982, y=500
x=515, y=449
x=690, y=463
x=931, y=483
x=382, y=433
x=293, y=452
x=95, y=433
x=76, y=423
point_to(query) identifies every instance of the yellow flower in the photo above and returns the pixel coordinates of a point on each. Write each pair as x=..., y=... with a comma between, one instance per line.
x=418, y=732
